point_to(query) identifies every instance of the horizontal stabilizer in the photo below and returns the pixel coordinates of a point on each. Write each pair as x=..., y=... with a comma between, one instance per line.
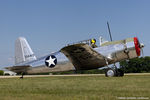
x=18, y=69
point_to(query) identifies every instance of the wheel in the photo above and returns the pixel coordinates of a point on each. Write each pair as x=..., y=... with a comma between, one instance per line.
x=110, y=72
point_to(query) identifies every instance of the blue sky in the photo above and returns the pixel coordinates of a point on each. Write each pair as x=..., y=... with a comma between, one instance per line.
x=48, y=25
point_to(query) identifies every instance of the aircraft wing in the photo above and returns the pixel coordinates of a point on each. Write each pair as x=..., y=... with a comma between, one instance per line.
x=18, y=68
x=83, y=56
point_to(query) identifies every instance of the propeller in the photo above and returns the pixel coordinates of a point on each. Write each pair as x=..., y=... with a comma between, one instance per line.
x=141, y=47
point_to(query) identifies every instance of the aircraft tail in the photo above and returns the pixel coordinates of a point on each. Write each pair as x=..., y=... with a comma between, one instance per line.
x=23, y=52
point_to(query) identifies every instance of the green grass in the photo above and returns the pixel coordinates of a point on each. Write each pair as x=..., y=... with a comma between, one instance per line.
x=74, y=88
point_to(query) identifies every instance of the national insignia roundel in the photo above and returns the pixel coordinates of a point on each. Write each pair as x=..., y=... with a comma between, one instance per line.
x=51, y=61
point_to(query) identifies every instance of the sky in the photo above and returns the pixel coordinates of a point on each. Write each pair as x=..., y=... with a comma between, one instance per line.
x=49, y=25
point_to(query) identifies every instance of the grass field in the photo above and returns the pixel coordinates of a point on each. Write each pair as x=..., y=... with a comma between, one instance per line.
x=74, y=88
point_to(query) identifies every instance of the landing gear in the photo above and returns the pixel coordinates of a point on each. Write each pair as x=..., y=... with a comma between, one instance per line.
x=114, y=72
x=120, y=72
x=110, y=72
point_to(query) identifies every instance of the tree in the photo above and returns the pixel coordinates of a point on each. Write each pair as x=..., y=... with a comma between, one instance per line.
x=136, y=65
x=1, y=72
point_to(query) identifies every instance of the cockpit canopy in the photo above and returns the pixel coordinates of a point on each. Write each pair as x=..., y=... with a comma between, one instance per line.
x=90, y=42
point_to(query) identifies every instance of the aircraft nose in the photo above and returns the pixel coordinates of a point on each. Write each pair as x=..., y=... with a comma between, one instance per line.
x=138, y=46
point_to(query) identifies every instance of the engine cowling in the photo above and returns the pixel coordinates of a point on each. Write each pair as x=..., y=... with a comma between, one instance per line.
x=137, y=46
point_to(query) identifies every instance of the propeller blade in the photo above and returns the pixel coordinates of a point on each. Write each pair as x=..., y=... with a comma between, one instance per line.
x=142, y=52
x=142, y=46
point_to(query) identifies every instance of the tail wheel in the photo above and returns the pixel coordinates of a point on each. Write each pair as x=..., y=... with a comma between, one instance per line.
x=110, y=72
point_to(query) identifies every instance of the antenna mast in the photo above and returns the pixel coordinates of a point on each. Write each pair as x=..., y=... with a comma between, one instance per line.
x=109, y=31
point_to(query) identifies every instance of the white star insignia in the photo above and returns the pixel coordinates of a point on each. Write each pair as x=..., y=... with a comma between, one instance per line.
x=51, y=61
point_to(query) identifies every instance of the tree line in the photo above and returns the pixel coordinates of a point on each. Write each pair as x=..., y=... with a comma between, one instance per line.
x=136, y=65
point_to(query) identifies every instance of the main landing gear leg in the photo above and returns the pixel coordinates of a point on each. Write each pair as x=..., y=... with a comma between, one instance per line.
x=109, y=72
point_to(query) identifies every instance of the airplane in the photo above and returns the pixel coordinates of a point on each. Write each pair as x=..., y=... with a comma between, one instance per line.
x=83, y=55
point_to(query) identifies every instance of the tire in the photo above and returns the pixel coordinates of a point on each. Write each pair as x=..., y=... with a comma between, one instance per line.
x=110, y=72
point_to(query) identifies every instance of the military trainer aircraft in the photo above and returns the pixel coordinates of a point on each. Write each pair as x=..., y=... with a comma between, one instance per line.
x=83, y=55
